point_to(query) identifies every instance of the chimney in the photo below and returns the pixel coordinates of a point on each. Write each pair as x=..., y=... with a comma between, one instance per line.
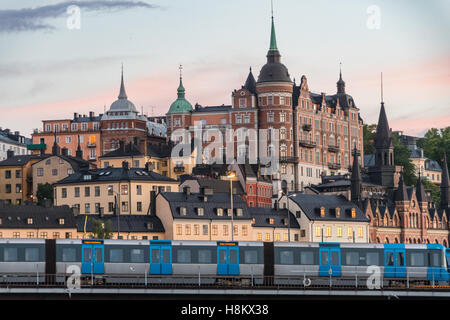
x=9, y=154
x=91, y=114
x=153, y=203
x=75, y=115
x=187, y=191
x=16, y=133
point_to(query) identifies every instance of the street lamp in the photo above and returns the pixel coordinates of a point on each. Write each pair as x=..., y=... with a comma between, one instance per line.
x=231, y=175
x=116, y=209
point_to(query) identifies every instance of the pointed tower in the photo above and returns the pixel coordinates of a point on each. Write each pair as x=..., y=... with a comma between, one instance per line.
x=274, y=90
x=402, y=205
x=179, y=114
x=55, y=148
x=445, y=191
x=250, y=83
x=420, y=195
x=340, y=84
x=356, y=181
x=79, y=152
x=383, y=171
x=122, y=93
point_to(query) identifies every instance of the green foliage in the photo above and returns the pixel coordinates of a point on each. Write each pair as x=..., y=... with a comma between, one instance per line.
x=435, y=143
x=402, y=156
x=435, y=190
x=44, y=191
x=101, y=230
x=369, y=132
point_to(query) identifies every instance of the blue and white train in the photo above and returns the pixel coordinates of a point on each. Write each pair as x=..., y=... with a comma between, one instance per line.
x=169, y=261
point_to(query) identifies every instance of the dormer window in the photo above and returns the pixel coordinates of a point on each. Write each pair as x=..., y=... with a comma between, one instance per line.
x=200, y=211
x=353, y=213
x=271, y=221
x=229, y=212
x=322, y=212
x=338, y=212
x=61, y=221
x=183, y=211
x=30, y=221
x=239, y=212
x=220, y=212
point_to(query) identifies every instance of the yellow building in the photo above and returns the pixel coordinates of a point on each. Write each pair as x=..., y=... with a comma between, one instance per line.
x=16, y=178
x=158, y=158
x=98, y=191
x=55, y=168
x=209, y=216
x=32, y=221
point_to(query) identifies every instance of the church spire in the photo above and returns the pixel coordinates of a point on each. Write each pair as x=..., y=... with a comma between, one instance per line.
x=122, y=93
x=273, y=37
x=181, y=91
x=356, y=181
x=340, y=84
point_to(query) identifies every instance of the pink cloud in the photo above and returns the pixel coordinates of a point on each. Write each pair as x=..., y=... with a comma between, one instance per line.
x=417, y=127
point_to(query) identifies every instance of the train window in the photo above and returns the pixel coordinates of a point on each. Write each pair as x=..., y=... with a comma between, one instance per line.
x=222, y=256
x=335, y=258
x=204, y=256
x=69, y=255
x=389, y=258
x=183, y=256
x=251, y=256
x=166, y=256
x=116, y=255
x=324, y=257
x=352, y=258
x=435, y=259
x=155, y=255
x=31, y=254
x=10, y=255
x=307, y=257
x=372, y=259
x=137, y=255
x=400, y=259
x=286, y=257
x=417, y=259
x=87, y=254
x=233, y=256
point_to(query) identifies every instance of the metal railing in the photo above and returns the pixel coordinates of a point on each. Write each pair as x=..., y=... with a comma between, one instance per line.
x=300, y=282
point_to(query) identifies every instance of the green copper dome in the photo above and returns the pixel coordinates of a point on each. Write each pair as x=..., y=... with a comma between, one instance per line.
x=181, y=105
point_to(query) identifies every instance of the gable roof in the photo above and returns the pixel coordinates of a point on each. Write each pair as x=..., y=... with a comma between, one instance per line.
x=42, y=217
x=312, y=203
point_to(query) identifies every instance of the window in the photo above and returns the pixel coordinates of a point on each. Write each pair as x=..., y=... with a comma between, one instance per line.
x=87, y=191
x=77, y=192
x=139, y=189
x=200, y=211
x=360, y=232
x=417, y=259
x=124, y=206
x=242, y=102
x=318, y=231
x=220, y=212
x=137, y=255
x=251, y=256
x=204, y=256
x=179, y=229
x=307, y=257
x=116, y=255
x=339, y=232
x=10, y=254
x=187, y=230
x=205, y=229
x=350, y=232
x=352, y=258
x=184, y=256
x=87, y=208
x=286, y=257
x=139, y=206
x=97, y=191
x=124, y=189
x=328, y=232
x=40, y=172
x=69, y=255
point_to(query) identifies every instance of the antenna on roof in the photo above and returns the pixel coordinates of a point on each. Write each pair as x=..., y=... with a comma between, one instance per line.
x=271, y=7
x=382, y=87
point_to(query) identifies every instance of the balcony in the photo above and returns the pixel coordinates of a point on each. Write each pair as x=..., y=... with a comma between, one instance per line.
x=284, y=159
x=91, y=145
x=36, y=146
x=307, y=144
x=307, y=127
x=178, y=169
x=334, y=165
x=332, y=148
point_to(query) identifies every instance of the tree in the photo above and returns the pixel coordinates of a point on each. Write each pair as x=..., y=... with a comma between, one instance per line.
x=369, y=131
x=101, y=230
x=435, y=143
x=44, y=191
x=435, y=190
x=402, y=156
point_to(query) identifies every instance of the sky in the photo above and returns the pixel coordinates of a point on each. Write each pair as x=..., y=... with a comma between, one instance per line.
x=54, y=62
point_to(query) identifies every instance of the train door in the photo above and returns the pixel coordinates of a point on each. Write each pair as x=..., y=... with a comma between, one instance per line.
x=227, y=258
x=93, y=257
x=329, y=260
x=394, y=261
x=436, y=267
x=160, y=257
x=447, y=255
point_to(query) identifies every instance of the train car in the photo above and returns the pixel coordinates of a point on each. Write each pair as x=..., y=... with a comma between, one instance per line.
x=22, y=260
